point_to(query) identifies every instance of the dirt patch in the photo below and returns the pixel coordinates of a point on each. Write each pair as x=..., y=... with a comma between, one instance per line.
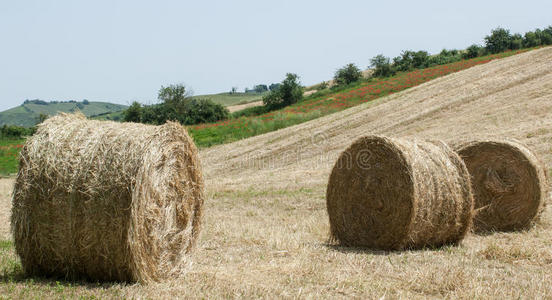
x=6, y=185
x=234, y=108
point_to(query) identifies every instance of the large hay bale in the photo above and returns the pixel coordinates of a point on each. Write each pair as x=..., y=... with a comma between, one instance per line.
x=107, y=201
x=508, y=183
x=392, y=194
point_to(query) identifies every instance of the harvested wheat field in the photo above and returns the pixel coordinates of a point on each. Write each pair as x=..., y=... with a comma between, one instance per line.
x=266, y=228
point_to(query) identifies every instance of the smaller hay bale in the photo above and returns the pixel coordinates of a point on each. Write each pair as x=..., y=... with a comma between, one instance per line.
x=107, y=201
x=508, y=182
x=392, y=194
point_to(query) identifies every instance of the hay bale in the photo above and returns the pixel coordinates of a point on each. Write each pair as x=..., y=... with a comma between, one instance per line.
x=107, y=201
x=392, y=194
x=508, y=183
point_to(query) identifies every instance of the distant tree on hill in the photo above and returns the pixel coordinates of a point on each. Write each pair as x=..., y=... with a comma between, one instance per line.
x=133, y=113
x=274, y=86
x=347, y=74
x=85, y=102
x=498, y=41
x=382, y=66
x=261, y=88
x=472, y=52
x=531, y=39
x=290, y=91
x=233, y=90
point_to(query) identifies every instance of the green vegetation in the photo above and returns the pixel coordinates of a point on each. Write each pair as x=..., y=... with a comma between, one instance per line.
x=498, y=41
x=289, y=92
x=348, y=74
x=9, y=150
x=29, y=113
x=176, y=105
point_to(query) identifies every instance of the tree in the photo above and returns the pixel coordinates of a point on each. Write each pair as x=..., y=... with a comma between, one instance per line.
x=234, y=90
x=516, y=42
x=382, y=66
x=420, y=59
x=274, y=86
x=204, y=111
x=531, y=39
x=347, y=74
x=133, y=113
x=290, y=91
x=261, y=88
x=498, y=41
x=471, y=52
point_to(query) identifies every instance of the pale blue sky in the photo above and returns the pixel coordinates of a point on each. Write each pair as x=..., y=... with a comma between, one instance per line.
x=121, y=51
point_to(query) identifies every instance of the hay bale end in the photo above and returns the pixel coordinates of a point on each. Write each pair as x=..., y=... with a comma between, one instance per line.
x=392, y=194
x=107, y=201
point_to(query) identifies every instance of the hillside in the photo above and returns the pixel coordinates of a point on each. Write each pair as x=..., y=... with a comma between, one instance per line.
x=267, y=196
x=27, y=114
x=228, y=99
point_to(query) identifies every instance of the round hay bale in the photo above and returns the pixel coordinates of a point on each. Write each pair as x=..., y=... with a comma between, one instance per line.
x=392, y=194
x=508, y=183
x=107, y=201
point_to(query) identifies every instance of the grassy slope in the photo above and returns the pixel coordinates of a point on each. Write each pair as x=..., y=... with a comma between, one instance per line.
x=27, y=114
x=9, y=149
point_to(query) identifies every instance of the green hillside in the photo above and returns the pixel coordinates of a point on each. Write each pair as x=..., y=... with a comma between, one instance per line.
x=228, y=99
x=28, y=113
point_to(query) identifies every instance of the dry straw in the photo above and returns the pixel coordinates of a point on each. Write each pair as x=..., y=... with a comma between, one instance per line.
x=107, y=201
x=392, y=194
x=508, y=182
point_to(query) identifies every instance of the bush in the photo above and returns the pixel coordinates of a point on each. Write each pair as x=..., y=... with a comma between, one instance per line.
x=204, y=111
x=498, y=41
x=177, y=106
x=133, y=113
x=289, y=92
x=531, y=39
x=15, y=132
x=347, y=75
x=382, y=66
x=472, y=52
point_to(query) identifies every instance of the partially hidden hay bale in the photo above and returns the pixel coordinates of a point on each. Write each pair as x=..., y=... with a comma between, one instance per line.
x=107, y=201
x=508, y=183
x=392, y=194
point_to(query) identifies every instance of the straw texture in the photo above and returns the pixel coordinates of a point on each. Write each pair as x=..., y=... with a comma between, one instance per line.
x=392, y=194
x=107, y=201
x=509, y=184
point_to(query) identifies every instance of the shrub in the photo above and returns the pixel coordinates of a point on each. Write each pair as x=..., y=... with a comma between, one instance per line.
x=15, y=132
x=498, y=41
x=531, y=39
x=204, y=111
x=290, y=91
x=347, y=75
x=133, y=113
x=516, y=42
x=382, y=66
x=176, y=105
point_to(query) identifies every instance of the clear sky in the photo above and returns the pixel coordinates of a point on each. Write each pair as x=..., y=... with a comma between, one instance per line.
x=121, y=51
